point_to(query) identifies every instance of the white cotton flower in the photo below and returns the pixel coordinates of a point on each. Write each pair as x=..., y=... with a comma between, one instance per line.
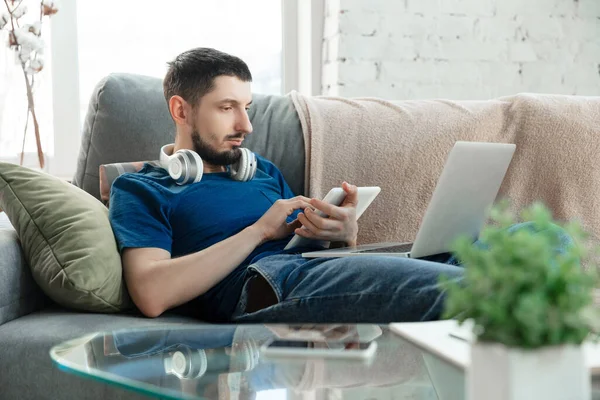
x=24, y=53
x=35, y=28
x=20, y=11
x=36, y=65
x=4, y=19
x=50, y=7
x=28, y=39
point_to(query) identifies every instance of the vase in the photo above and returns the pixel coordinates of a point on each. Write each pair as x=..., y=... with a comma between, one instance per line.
x=498, y=372
x=31, y=160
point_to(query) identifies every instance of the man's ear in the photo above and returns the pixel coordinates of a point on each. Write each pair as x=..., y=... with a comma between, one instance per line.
x=179, y=109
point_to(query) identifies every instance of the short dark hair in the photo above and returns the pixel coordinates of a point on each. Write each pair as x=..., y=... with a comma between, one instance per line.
x=191, y=75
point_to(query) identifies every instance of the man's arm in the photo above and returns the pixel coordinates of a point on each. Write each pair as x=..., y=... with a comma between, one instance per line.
x=157, y=282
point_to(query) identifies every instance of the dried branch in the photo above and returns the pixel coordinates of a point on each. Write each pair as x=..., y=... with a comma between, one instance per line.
x=14, y=7
x=36, y=126
x=12, y=21
x=24, y=135
x=29, y=84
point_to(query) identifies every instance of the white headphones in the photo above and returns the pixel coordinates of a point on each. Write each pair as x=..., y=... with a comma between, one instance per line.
x=185, y=166
x=186, y=363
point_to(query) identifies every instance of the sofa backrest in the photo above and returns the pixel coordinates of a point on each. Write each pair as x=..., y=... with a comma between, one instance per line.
x=128, y=120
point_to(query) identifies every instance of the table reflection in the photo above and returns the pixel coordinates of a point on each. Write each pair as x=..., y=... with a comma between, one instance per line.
x=225, y=362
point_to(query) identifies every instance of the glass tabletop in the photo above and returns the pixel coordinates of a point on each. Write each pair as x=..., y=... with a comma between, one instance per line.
x=228, y=362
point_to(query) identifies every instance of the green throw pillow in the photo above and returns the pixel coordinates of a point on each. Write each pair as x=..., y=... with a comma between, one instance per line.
x=67, y=240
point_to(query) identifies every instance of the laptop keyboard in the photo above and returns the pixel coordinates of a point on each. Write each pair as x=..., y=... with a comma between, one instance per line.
x=401, y=248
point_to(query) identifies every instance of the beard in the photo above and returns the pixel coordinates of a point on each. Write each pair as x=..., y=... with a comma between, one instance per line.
x=212, y=156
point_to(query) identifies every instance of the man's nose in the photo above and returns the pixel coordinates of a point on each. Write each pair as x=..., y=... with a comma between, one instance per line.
x=244, y=124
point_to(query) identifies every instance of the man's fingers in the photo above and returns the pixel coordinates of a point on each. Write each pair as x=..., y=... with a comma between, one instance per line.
x=305, y=233
x=307, y=223
x=303, y=198
x=328, y=209
x=324, y=224
x=294, y=205
x=351, y=195
x=295, y=224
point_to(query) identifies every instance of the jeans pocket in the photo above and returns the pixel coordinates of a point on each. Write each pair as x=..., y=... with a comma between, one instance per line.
x=255, y=269
x=258, y=292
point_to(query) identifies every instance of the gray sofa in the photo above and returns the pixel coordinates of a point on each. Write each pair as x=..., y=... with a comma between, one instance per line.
x=127, y=120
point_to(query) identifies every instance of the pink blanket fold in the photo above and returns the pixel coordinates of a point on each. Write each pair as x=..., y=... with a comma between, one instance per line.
x=402, y=146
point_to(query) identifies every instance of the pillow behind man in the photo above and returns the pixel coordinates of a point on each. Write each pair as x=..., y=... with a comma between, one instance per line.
x=67, y=240
x=109, y=172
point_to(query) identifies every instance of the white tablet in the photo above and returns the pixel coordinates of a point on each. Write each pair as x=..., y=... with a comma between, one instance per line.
x=366, y=195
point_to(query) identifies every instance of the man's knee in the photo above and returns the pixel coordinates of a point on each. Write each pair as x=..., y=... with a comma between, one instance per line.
x=558, y=234
x=533, y=227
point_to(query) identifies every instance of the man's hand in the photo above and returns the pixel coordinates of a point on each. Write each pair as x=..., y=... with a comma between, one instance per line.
x=273, y=225
x=341, y=224
x=315, y=332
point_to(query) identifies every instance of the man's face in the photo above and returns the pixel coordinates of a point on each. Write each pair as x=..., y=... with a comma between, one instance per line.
x=220, y=122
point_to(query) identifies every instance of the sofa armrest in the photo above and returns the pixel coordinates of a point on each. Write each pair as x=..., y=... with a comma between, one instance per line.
x=19, y=294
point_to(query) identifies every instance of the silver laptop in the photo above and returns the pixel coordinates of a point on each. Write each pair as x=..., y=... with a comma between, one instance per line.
x=459, y=205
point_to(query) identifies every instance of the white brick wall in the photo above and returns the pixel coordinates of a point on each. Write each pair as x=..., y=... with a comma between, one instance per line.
x=461, y=49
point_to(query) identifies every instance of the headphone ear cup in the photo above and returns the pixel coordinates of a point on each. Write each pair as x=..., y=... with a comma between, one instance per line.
x=191, y=164
x=253, y=165
x=187, y=363
x=245, y=168
x=196, y=176
x=175, y=168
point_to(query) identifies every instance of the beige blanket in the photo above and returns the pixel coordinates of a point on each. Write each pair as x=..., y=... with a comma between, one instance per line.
x=402, y=147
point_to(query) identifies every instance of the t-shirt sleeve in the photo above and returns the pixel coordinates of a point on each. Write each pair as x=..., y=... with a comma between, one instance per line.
x=139, y=214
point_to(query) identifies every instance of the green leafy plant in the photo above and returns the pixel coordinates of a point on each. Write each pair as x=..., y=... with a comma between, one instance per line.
x=517, y=288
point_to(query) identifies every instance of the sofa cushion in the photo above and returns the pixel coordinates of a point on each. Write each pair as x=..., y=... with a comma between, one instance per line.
x=19, y=294
x=5, y=222
x=27, y=371
x=109, y=172
x=128, y=120
x=67, y=239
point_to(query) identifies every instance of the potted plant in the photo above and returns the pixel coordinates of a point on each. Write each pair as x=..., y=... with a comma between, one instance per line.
x=529, y=307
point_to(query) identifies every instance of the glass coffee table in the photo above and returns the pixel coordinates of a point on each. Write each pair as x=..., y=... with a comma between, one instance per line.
x=226, y=362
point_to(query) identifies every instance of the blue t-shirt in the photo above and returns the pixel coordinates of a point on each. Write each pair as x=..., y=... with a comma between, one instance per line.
x=148, y=209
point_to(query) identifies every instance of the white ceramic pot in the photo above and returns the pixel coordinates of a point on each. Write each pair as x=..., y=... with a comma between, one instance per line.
x=501, y=373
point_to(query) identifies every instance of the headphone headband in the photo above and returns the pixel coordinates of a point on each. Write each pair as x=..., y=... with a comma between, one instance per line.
x=165, y=155
x=185, y=166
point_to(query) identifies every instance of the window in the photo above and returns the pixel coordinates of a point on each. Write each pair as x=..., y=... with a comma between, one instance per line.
x=93, y=39
x=143, y=36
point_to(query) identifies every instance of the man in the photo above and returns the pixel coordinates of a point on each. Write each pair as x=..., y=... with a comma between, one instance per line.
x=215, y=248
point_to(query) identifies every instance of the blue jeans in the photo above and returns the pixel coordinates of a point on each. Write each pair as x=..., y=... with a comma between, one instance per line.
x=369, y=289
